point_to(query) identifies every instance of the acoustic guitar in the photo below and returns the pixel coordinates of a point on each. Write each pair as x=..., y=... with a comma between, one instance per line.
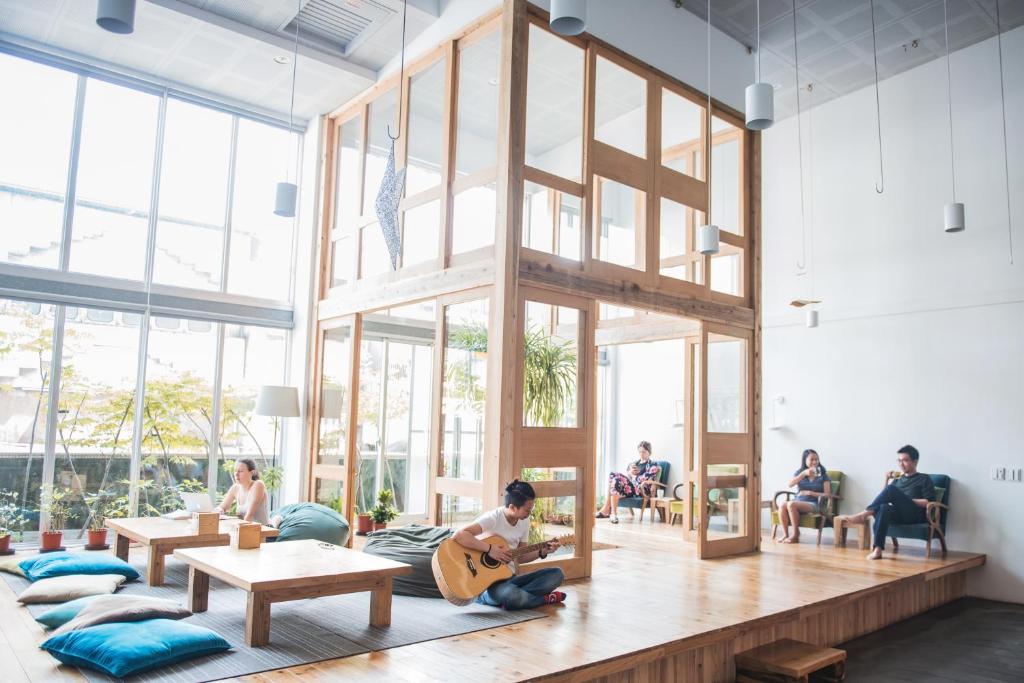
x=462, y=574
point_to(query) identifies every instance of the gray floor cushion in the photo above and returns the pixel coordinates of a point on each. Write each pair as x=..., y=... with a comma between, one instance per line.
x=413, y=544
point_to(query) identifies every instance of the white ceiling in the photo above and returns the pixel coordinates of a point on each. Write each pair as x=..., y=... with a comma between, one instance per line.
x=226, y=48
x=835, y=43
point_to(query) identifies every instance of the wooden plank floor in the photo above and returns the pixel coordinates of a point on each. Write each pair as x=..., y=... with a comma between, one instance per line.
x=648, y=598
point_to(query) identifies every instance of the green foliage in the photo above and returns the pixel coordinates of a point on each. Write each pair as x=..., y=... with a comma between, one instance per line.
x=100, y=505
x=58, y=507
x=11, y=519
x=549, y=378
x=383, y=512
x=272, y=477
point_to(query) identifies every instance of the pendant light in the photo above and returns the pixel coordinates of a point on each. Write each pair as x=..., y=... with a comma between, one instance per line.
x=1006, y=156
x=116, y=16
x=287, y=192
x=760, y=97
x=953, y=212
x=707, y=234
x=568, y=17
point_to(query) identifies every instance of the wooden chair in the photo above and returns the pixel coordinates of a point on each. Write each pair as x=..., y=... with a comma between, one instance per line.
x=817, y=520
x=935, y=512
x=644, y=501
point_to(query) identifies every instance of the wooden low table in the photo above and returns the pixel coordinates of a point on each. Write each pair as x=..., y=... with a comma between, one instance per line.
x=163, y=536
x=279, y=572
x=842, y=524
x=790, y=661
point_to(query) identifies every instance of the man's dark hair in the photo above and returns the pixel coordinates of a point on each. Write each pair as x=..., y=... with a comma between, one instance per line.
x=910, y=451
x=518, y=492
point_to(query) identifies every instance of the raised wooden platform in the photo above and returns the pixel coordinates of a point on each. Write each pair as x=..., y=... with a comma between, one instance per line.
x=651, y=612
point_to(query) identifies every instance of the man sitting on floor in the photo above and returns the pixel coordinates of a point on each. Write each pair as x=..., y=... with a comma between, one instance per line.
x=512, y=523
x=901, y=502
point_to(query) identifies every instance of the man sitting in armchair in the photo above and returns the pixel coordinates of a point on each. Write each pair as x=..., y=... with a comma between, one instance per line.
x=902, y=502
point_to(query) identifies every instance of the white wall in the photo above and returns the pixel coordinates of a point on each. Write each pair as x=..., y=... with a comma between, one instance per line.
x=922, y=333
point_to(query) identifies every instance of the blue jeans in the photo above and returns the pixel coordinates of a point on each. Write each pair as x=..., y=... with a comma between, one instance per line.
x=523, y=591
x=892, y=506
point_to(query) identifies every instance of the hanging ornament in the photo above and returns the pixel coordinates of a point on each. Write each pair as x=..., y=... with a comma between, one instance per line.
x=393, y=183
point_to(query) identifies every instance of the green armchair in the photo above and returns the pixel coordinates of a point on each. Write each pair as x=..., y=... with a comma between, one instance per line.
x=935, y=512
x=829, y=507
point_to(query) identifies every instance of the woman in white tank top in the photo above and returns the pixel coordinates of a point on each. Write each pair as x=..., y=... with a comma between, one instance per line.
x=253, y=504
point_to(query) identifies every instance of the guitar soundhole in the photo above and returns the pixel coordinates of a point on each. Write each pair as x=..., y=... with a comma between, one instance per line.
x=489, y=561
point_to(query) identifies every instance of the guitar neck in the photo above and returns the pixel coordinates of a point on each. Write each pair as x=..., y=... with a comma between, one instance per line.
x=525, y=550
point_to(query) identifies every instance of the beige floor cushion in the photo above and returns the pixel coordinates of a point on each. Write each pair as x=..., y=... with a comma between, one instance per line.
x=64, y=588
x=122, y=608
x=10, y=565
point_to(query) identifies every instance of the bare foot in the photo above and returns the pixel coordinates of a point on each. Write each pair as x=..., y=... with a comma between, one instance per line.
x=859, y=518
x=791, y=539
x=875, y=554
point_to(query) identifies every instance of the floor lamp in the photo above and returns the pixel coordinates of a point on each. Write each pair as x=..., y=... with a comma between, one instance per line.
x=277, y=402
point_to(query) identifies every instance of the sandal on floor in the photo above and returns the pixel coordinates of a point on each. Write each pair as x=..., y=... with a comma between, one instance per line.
x=601, y=515
x=615, y=520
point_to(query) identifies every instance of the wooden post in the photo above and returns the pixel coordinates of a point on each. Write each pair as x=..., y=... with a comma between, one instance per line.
x=198, y=590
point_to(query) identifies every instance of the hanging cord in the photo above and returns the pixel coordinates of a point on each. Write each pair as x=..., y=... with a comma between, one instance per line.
x=758, y=79
x=802, y=263
x=1006, y=157
x=295, y=70
x=810, y=163
x=401, y=77
x=878, y=105
x=949, y=100
x=707, y=215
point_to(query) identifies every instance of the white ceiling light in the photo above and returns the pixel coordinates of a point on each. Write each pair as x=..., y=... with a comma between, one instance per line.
x=116, y=16
x=953, y=212
x=760, y=97
x=568, y=17
x=707, y=235
x=288, y=192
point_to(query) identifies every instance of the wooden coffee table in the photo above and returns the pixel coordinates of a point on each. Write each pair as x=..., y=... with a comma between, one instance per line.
x=163, y=536
x=293, y=570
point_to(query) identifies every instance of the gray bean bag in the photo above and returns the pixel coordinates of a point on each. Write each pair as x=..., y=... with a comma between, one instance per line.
x=301, y=521
x=413, y=544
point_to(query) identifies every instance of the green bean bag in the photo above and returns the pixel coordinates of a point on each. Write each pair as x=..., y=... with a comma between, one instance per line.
x=415, y=545
x=301, y=521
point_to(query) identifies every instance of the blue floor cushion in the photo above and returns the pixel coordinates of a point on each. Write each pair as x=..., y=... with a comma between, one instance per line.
x=123, y=649
x=64, y=564
x=62, y=614
x=305, y=521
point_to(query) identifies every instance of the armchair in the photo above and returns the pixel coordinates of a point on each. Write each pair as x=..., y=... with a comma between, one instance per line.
x=828, y=506
x=644, y=501
x=935, y=512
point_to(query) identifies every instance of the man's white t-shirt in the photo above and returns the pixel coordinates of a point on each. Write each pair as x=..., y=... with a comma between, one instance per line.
x=495, y=522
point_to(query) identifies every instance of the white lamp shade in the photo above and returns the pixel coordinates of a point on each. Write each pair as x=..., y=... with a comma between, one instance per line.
x=760, y=106
x=707, y=239
x=812, y=317
x=568, y=17
x=116, y=16
x=277, y=401
x=284, y=202
x=954, y=217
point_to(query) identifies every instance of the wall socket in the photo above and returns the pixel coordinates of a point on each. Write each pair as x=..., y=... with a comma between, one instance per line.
x=1016, y=474
x=999, y=473
x=1013, y=474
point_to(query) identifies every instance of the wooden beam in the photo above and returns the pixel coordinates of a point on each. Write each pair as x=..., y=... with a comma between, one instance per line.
x=553, y=181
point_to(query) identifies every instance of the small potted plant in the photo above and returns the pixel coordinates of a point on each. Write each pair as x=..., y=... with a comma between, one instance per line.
x=101, y=506
x=58, y=507
x=383, y=512
x=364, y=522
x=11, y=520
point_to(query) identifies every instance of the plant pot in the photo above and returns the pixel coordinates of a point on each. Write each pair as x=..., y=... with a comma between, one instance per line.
x=97, y=537
x=364, y=524
x=50, y=540
x=377, y=526
x=5, y=543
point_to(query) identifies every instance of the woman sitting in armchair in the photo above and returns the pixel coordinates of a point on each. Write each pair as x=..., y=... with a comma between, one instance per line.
x=639, y=480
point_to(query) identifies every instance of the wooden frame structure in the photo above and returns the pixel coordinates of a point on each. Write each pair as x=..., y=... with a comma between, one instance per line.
x=507, y=275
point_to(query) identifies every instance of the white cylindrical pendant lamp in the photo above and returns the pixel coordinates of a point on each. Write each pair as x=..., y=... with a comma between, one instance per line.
x=284, y=204
x=707, y=239
x=760, y=106
x=954, y=215
x=812, y=317
x=116, y=16
x=568, y=17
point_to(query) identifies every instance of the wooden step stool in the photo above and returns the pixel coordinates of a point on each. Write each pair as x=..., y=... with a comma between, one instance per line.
x=841, y=524
x=790, y=661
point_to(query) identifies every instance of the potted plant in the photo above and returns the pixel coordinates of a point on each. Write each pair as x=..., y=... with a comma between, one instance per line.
x=101, y=506
x=364, y=522
x=383, y=512
x=11, y=520
x=58, y=507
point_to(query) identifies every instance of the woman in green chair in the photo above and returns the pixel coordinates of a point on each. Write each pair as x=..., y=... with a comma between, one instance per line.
x=811, y=482
x=637, y=481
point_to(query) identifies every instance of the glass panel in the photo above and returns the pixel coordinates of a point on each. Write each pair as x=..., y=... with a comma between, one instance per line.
x=727, y=386
x=96, y=415
x=383, y=112
x=554, y=105
x=725, y=176
x=193, y=193
x=477, y=114
x=680, y=134
x=368, y=427
x=459, y=510
x=346, y=193
x=421, y=233
x=115, y=171
x=550, y=365
x=35, y=135
x=261, y=242
x=622, y=224
x=551, y=518
x=678, y=257
x=538, y=222
x=177, y=414
x=465, y=389
x=26, y=338
x=374, y=258
x=253, y=357
x=335, y=395
x=726, y=504
x=727, y=272
x=620, y=108
x=474, y=218
x=332, y=494
x=570, y=235
x=341, y=261
x=426, y=111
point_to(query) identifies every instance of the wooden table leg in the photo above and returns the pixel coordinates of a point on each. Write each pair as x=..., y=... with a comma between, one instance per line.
x=257, y=620
x=380, y=604
x=155, y=568
x=839, y=531
x=865, y=535
x=198, y=590
x=121, y=546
